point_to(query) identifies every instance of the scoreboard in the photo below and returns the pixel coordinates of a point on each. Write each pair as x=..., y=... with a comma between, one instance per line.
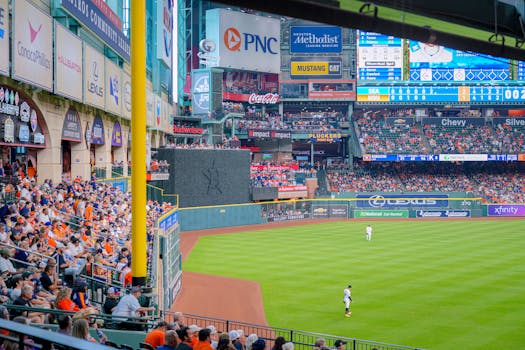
x=421, y=94
x=521, y=70
x=379, y=56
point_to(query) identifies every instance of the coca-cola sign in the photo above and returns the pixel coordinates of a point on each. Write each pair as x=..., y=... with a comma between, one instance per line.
x=268, y=99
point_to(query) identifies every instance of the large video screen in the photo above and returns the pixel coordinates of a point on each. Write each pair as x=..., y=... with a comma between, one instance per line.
x=379, y=56
x=438, y=63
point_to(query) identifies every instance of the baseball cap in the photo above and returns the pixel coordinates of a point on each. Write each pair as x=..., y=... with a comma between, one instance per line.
x=349, y=286
x=113, y=290
x=26, y=274
x=339, y=342
x=259, y=344
x=234, y=335
x=136, y=289
x=194, y=328
x=212, y=329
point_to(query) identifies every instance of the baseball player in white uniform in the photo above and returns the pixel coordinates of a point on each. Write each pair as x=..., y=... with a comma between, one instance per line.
x=347, y=298
x=369, y=232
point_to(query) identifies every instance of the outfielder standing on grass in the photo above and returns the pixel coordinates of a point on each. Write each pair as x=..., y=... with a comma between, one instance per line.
x=347, y=298
x=369, y=232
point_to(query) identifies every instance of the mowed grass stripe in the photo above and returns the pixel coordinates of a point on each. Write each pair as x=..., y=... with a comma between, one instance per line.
x=433, y=284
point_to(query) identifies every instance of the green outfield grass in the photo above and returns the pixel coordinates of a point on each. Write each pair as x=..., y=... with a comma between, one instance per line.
x=431, y=284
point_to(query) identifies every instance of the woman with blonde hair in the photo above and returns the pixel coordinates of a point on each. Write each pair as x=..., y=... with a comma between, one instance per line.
x=250, y=340
x=80, y=330
x=64, y=302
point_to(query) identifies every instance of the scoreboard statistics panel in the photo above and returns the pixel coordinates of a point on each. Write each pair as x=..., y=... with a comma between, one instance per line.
x=379, y=56
x=521, y=70
x=437, y=63
x=470, y=94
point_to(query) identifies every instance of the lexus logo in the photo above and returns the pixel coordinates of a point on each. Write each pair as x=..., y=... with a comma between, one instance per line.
x=377, y=201
x=95, y=71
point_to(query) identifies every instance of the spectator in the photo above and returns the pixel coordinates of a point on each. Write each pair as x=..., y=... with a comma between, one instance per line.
x=184, y=339
x=250, y=340
x=64, y=324
x=204, y=342
x=170, y=341
x=111, y=300
x=156, y=336
x=278, y=343
x=288, y=346
x=80, y=329
x=235, y=337
x=129, y=307
x=25, y=300
x=64, y=302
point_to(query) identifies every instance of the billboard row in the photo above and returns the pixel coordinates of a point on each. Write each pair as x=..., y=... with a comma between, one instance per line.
x=4, y=37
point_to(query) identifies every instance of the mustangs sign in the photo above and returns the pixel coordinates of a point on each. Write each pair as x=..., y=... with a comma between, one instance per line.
x=402, y=200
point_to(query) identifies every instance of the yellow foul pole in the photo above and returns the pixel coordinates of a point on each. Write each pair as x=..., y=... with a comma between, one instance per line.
x=138, y=142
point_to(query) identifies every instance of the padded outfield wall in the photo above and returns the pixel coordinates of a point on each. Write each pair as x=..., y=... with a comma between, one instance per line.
x=360, y=205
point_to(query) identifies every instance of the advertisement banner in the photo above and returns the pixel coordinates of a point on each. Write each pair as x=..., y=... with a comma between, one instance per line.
x=113, y=88
x=277, y=218
x=506, y=210
x=325, y=137
x=379, y=56
x=32, y=48
x=443, y=213
x=400, y=121
x=326, y=89
x=165, y=31
x=19, y=120
x=72, y=129
x=200, y=89
x=116, y=135
x=126, y=95
x=329, y=211
x=453, y=122
x=402, y=200
x=316, y=68
x=365, y=214
x=244, y=41
x=514, y=123
x=101, y=21
x=68, y=63
x=4, y=37
x=94, y=68
x=97, y=131
x=429, y=62
x=312, y=39
x=269, y=134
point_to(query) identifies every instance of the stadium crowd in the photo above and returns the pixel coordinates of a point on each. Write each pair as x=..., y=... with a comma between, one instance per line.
x=276, y=174
x=495, y=182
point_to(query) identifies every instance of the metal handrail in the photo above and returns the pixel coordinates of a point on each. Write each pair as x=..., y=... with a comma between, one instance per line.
x=43, y=256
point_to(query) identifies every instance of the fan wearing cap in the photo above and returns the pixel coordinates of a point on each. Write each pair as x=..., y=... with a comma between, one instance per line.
x=129, y=305
x=111, y=300
x=235, y=337
x=193, y=333
x=339, y=344
x=347, y=299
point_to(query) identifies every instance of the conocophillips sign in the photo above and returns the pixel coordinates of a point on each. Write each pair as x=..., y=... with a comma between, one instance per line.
x=245, y=42
x=402, y=200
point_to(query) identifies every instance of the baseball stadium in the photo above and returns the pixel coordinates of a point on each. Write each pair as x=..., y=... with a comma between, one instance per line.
x=318, y=175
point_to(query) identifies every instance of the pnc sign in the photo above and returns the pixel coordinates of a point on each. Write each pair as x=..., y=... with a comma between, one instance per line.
x=236, y=41
x=244, y=41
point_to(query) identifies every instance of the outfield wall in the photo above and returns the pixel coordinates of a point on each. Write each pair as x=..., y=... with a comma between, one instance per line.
x=360, y=205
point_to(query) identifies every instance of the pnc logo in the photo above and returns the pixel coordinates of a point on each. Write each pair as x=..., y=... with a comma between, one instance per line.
x=32, y=32
x=232, y=39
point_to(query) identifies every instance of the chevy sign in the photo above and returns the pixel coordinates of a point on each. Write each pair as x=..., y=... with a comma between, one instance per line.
x=380, y=201
x=245, y=42
x=315, y=39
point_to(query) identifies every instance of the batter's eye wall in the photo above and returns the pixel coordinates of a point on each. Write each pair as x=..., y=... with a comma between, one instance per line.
x=208, y=177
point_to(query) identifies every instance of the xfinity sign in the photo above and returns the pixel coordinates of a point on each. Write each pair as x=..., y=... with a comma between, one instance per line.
x=402, y=201
x=245, y=42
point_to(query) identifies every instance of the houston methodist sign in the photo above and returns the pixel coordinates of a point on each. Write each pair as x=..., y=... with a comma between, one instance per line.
x=245, y=42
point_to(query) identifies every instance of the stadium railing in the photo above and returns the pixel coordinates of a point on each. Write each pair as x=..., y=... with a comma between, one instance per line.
x=302, y=340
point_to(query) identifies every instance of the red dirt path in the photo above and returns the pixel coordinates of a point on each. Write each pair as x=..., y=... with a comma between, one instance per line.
x=223, y=297
x=232, y=298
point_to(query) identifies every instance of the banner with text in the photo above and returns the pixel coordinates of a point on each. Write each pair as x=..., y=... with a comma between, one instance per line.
x=402, y=200
x=101, y=21
x=316, y=68
x=4, y=38
x=443, y=213
x=313, y=39
x=514, y=123
x=269, y=134
x=330, y=211
x=94, y=87
x=113, y=87
x=506, y=210
x=366, y=214
x=68, y=63
x=32, y=45
x=452, y=122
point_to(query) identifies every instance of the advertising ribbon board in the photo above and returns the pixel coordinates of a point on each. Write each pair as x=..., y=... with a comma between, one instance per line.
x=359, y=214
x=506, y=210
x=402, y=200
x=101, y=21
